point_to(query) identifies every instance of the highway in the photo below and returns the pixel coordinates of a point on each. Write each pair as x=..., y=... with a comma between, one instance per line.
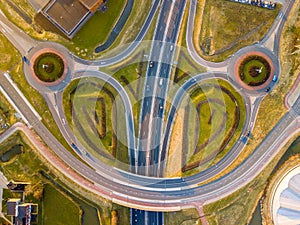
x=156, y=87
x=152, y=193
x=154, y=97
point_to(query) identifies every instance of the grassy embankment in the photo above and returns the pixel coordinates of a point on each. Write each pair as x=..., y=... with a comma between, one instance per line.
x=238, y=207
x=6, y=113
x=222, y=27
x=133, y=25
x=213, y=122
x=289, y=160
x=95, y=104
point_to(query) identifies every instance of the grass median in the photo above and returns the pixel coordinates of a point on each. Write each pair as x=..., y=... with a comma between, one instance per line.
x=214, y=115
x=97, y=117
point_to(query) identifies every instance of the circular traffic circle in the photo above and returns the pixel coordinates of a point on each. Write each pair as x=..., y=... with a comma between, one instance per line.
x=254, y=70
x=48, y=67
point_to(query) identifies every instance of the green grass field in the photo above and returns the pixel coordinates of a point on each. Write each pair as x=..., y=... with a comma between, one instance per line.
x=249, y=65
x=58, y=208
x=183, y=217
x=87, y=107
x=132, y=78
x=133, y=25
x=213, y=125
x=62, y=204
x=97, y=29
x=185, y=68
x=228, y=26
x=254, y=71
x=24, y=166
x=49, y=67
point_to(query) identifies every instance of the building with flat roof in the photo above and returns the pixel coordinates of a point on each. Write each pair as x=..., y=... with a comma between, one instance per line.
x=68, y=16
x=12, y=206
x=17, y=186
x=22, y=213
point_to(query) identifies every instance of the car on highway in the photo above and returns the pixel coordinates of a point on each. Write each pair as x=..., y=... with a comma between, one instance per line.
x=160, y=81
x=249, y=133
x=151, y=64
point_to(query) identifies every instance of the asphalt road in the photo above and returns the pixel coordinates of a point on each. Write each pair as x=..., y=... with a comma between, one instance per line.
x=155, y=91
x=156, y=87
x=276, y=28
x=123, y=54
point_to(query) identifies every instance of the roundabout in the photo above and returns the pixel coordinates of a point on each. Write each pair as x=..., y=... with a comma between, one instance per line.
x=254, y=70
x=48, y=67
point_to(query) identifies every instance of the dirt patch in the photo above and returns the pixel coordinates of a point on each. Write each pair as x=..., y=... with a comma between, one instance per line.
x=175, y=149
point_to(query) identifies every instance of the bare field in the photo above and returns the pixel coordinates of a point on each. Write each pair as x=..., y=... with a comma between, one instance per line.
x=228, y=26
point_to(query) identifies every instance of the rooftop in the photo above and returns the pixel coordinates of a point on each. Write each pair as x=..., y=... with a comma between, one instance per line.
x=11, y=208
x=66, y=14
x=286, y=200
x=91, y=4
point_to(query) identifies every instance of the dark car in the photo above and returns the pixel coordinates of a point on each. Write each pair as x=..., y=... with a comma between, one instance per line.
x=151, y=64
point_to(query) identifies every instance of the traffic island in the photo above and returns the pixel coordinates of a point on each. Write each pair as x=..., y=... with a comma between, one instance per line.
x=48, y=67
x=254, y=70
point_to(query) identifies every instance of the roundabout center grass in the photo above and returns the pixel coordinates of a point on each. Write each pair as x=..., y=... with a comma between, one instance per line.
x=49, y=67
x=254, y=70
